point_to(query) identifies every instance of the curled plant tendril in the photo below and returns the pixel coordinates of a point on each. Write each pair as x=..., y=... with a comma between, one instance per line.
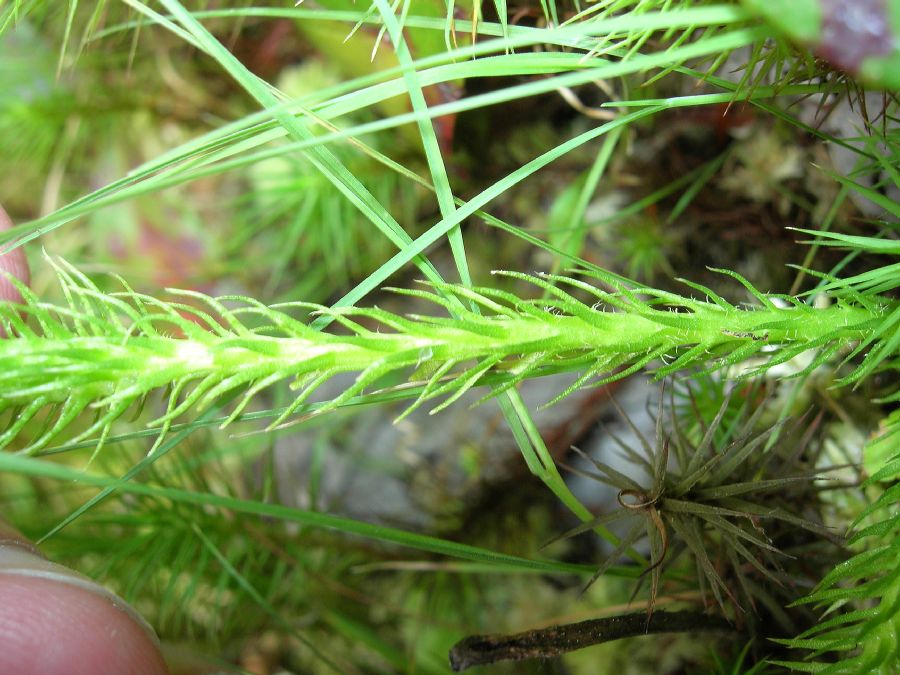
x=646, y=505
x=643, y=502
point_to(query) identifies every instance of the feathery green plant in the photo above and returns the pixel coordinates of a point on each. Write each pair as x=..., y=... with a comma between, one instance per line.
x=867, y=640
x=108, y=351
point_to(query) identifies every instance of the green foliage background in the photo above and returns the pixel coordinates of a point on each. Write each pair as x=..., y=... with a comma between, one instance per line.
x=309, y=188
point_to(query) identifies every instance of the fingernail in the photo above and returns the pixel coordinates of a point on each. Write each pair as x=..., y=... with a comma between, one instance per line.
x=19, y=557
x=10, y=536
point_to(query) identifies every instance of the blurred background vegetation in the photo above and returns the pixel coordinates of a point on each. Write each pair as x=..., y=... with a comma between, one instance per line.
x=91, y=90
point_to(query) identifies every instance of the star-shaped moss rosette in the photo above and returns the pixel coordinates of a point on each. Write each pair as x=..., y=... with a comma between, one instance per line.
x=721, y=493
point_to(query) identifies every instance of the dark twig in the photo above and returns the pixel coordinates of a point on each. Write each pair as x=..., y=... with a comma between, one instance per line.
x=479, y=650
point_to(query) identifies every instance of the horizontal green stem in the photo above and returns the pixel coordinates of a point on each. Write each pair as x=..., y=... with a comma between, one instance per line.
x=104, y=364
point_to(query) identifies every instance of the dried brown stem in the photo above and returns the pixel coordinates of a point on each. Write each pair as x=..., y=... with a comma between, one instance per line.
x=479, y=650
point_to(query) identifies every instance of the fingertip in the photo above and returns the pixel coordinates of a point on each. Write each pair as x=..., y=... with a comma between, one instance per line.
x=54, y=620
x=51, y=627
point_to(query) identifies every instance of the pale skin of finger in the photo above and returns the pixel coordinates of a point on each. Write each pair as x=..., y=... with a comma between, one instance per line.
x=55, y=621
x=54, y=628
x=51, y=621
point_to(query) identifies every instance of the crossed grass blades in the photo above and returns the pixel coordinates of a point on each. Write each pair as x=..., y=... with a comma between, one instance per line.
x=724, y=493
